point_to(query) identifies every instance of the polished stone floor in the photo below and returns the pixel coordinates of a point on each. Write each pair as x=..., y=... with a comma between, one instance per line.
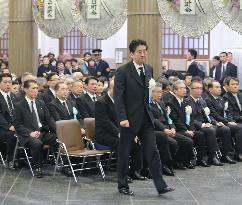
x=205, y=186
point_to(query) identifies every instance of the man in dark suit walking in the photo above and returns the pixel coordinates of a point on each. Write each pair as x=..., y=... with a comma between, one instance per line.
x=33, y=125
x=7, y=129
x=194, y=68
x=131, y=97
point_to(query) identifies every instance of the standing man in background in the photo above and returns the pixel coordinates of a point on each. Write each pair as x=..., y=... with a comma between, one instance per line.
x=135, y=118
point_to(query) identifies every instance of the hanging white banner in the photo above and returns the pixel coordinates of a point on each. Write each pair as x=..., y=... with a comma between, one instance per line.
x=240, y=3
x=187, y=7
x=93, y=9
x=49, y=9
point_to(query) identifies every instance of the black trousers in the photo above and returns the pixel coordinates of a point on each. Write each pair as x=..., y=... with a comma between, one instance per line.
x=10, y=139
x=224, y=134
x=236, y=133
x=167, y=147
x=148, y=143
x=36, y=146
x=211, y=140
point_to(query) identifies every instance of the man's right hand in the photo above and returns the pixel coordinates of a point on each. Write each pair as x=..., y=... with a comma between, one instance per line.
x=124, y=123
x=35, y=134
x=12, y=128
x=220, y=124
x=168, y=132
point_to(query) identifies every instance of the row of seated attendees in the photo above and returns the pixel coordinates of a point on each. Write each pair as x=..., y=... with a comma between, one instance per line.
x=189, y=123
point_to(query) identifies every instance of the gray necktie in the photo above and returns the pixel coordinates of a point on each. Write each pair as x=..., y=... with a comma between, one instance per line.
x=238, y=103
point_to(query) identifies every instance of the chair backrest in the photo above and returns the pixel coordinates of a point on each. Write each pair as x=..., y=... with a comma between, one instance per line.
x=89, y=125
x=69, y=132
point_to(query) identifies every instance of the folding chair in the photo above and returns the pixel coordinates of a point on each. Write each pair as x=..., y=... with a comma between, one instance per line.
x=1, y=157
x=71, y=145
x=89, y=125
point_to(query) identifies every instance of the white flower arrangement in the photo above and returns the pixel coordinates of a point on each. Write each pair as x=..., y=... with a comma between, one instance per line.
x=74, y=110
x=188, y=110
x=152, y=83
x=226, y=105
x=206, y=111
x=168, y=110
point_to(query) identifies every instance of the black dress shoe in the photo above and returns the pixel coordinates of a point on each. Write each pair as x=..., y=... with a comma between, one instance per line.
x=126, y=191
x=214, y=161
x=146, y=173
x=39, y=173
x=190, y=165
x=136, y=176
x=238, y=158
x=129, y=180
x=180, y=166
x=165, y=190
x=10, y=165
x=227, y=159
x=166, y=171
x=202, y=163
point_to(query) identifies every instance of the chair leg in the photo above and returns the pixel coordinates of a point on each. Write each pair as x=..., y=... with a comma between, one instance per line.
x=56, y=162
x=69, y=161
x=27, y=158
x=109, y=160
x=15, y=151
x=2, y=160
x=101, y=167
x=83, y=163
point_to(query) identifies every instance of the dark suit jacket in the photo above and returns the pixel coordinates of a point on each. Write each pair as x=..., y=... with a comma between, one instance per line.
x=167, y=97
x=72, y=97
x=233, y=106
x=42, y=69
x=47, y=96
x=85, y=106
x=160, y=117
x=198, y=113
x=105, y=119
x=131, y=95
x=231, y=70
x=195, y=71
x=178, y=116
x=6, y=120
x=217, y=109
x=101, y=67
x=58, y=112
x=23, y=120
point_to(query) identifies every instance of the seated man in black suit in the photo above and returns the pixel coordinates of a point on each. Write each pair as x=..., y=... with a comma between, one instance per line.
x=234, y=99
x=183, y=120
x=7, y=129
x=76, y=91
x=203, y=123
x=49, y=94
x=107, y=130
x=169, y=95
x=86, y=102
x=187, y=81
x=34, y=125
x=45, y=68
x=166, y=131
x=220, y=112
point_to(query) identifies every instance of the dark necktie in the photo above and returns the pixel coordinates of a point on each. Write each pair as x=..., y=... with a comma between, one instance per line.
x=10, y=105
x=142, y=75
x=94, y=99
x=223, y=70
x=35, y=121
x=65, y=108
x=159, y=107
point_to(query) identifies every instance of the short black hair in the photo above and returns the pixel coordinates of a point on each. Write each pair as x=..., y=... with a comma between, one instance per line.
x=57, y=86
x=223, y=52
x=90, y=78
x=5, y=75
x=216, y=58
x=87, y=53
x=15, y=82
x=187, y=74
x=135, y=43
x=74, y=60
x=28, y=82
x=67, y=60
x=50, y=75
x=230, y=53
x=210, y=85
x=193, y=53
x=196, y=81
x=232, y=78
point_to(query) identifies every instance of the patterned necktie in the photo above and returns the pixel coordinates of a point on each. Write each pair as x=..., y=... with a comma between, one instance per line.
x=94, y=99
x=34, y=116
x=142, y=75
x=10, y=105
x=65, y=107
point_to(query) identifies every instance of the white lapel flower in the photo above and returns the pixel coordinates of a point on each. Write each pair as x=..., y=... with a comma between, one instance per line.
x=152, y=83
x=188, y=110
x=206, y=110
x=226, y=105
x=74, y=110
x=168, y=110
